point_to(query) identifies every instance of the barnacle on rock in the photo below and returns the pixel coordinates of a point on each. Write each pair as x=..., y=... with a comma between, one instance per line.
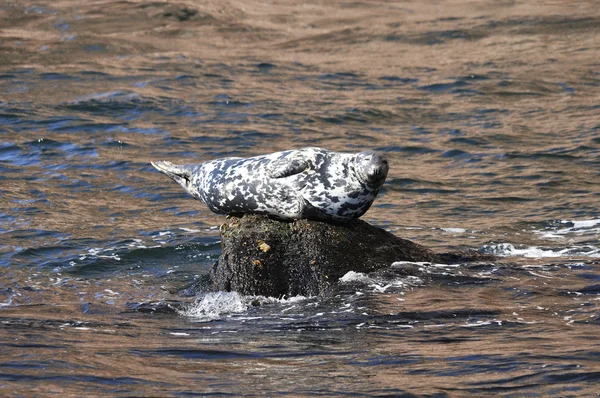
x=264, y=246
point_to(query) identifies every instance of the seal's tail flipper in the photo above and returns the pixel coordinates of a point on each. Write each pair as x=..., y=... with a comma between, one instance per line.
x=179, y=173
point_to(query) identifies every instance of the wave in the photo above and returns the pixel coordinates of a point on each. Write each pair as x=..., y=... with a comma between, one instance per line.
x=510, y=250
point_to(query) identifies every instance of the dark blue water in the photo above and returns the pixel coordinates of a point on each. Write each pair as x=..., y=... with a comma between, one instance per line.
x=488, y=115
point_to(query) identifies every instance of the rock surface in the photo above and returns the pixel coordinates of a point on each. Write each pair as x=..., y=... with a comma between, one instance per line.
x=261, y=256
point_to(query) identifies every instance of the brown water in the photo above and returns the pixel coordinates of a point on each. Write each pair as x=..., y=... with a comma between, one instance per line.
x=487, y=111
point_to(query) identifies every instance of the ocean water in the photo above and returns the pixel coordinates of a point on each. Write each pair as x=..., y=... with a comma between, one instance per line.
x=488, y=113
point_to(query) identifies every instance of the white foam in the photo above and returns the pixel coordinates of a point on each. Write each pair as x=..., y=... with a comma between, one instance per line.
x=424, y=264
x=288, y=300
x=215, y=305
x=508, y=249
x=7, y=303
x=454, y=230
x=190, y=230
x=379, y=285
x=476, y=324
x=579, y=228
x=112, y=252
x=352, y=276
x=584, y=223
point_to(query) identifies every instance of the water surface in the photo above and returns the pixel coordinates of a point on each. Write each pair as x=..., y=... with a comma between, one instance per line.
x=487, y=112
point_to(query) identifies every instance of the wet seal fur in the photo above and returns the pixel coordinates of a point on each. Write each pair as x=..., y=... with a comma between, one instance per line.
x=308, y=183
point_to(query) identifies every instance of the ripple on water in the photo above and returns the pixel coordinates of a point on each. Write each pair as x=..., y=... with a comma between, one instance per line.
x=410, y=150
x=419, y=186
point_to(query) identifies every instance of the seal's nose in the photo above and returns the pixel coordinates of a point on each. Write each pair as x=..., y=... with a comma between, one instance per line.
x=378, y=166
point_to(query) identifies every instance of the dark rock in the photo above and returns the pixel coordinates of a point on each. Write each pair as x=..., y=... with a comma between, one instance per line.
x=261, y=256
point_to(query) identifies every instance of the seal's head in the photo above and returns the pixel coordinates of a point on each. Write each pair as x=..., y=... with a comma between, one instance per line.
x=181, y=174
x=371, y=168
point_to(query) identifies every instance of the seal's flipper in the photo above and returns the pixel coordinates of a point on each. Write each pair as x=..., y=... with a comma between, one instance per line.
x=181, y=174
x=313, y=213
x=288, y=167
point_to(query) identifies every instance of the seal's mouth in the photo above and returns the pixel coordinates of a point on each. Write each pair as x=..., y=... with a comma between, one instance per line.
x=179, y=174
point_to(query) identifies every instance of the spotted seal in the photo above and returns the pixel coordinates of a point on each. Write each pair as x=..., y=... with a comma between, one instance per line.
x=311, y=183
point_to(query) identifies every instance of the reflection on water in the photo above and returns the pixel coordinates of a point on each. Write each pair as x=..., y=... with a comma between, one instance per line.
x=488, y=114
